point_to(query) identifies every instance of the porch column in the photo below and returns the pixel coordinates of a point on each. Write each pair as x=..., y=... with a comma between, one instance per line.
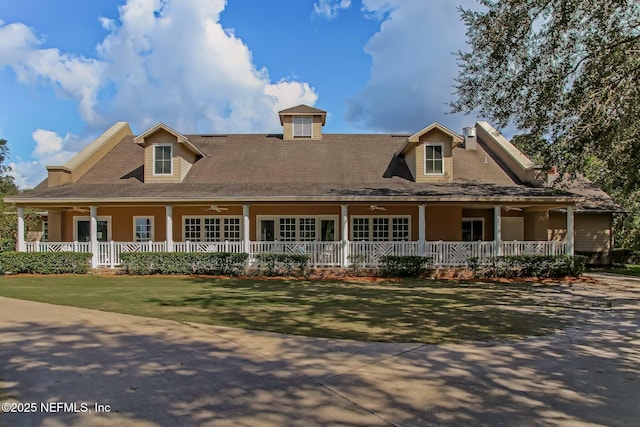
x=422, y=232
x=21, y=247
x=570, y=231
x=169, y=227
x=245, y=228
x=93, y=235
x=497, y=230
x=344, y=213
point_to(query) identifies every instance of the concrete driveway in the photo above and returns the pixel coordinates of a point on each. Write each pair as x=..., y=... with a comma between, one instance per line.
x=62, y=366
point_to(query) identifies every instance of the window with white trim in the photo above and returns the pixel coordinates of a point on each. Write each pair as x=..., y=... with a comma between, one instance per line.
x=400, y=229
x=287, y=229
x=360, y=229
x=162, y=162
x=380, y=228
x=192, y=230
x=307, y=229
x=212, y=229
x=232, y=229
x=45, y=231
x=297, y=228
x=302, y=126
x=142, y=228
x=433, y=159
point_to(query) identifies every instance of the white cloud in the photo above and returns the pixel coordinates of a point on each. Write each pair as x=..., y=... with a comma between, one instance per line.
x=72, y=76
x=50, y=149
x=173, y=61
x=162, y=60
x=329, y=8
x=413, y=66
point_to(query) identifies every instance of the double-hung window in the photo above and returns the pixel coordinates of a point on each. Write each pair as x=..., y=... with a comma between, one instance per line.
x=433, y=159
x=302, y=126
x=162, y=159
x=142, y=228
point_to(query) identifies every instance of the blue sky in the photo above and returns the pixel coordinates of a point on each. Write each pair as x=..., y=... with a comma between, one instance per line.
x=69, y=69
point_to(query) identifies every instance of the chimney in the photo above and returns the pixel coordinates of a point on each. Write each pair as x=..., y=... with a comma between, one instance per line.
x=470, y=140
x=552, y=176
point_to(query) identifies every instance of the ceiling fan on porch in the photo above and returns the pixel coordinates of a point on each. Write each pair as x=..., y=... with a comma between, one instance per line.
x=376, y=208
x=76, y=209
x=215, y=208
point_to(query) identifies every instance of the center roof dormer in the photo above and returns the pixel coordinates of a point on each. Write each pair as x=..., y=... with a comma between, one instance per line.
x=302, y=122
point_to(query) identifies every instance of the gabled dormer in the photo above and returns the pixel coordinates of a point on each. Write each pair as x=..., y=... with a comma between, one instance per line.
x=302, y=122
x=429, y=153
x=168, y=155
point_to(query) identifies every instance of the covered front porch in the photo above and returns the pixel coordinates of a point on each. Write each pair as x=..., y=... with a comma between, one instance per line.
x=331, y=235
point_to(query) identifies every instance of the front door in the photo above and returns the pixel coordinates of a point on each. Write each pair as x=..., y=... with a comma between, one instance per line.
x=267, y=230
x=83, y=231
x=327, y=230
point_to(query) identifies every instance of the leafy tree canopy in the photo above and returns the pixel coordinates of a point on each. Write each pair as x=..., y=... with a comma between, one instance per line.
x=565, y=72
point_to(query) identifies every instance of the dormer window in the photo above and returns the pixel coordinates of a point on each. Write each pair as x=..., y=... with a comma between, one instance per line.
x=162, y=159
x=302, y=126
x=433, y=159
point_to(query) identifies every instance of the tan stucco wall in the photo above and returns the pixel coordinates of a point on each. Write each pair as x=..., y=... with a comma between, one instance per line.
x=54, y=219
x=444, y=223
x=536, y=225
x=592, y=231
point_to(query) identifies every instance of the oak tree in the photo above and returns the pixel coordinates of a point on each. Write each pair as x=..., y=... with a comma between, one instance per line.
x=565, y=72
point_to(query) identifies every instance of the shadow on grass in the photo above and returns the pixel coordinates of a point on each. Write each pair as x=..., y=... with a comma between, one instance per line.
x=409, y=311
x=167, y=374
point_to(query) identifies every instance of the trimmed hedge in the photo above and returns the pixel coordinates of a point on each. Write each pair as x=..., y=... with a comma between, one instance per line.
x=207, y=263
x=45, y=262
x=403, y=266
x=282, y=264
x=541, y=266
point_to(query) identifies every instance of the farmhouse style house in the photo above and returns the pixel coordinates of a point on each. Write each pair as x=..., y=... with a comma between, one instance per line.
x=335, y=197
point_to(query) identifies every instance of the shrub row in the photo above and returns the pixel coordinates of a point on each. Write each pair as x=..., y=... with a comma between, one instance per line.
x=45, y=262
x=540, y=266
x=213, y=263
x=404, y=266
x=282, y=264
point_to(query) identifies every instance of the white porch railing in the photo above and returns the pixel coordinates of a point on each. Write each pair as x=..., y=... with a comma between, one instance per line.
x=534, y=248
x=370, y=252
x=321, y=254
x=457, y=253
x=57, y=247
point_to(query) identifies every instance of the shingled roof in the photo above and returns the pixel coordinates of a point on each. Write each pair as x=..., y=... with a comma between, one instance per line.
x=256, y=167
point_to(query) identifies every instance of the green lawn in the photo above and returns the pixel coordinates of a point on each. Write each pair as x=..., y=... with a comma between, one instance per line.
x=394, y=311
x=629, y=270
